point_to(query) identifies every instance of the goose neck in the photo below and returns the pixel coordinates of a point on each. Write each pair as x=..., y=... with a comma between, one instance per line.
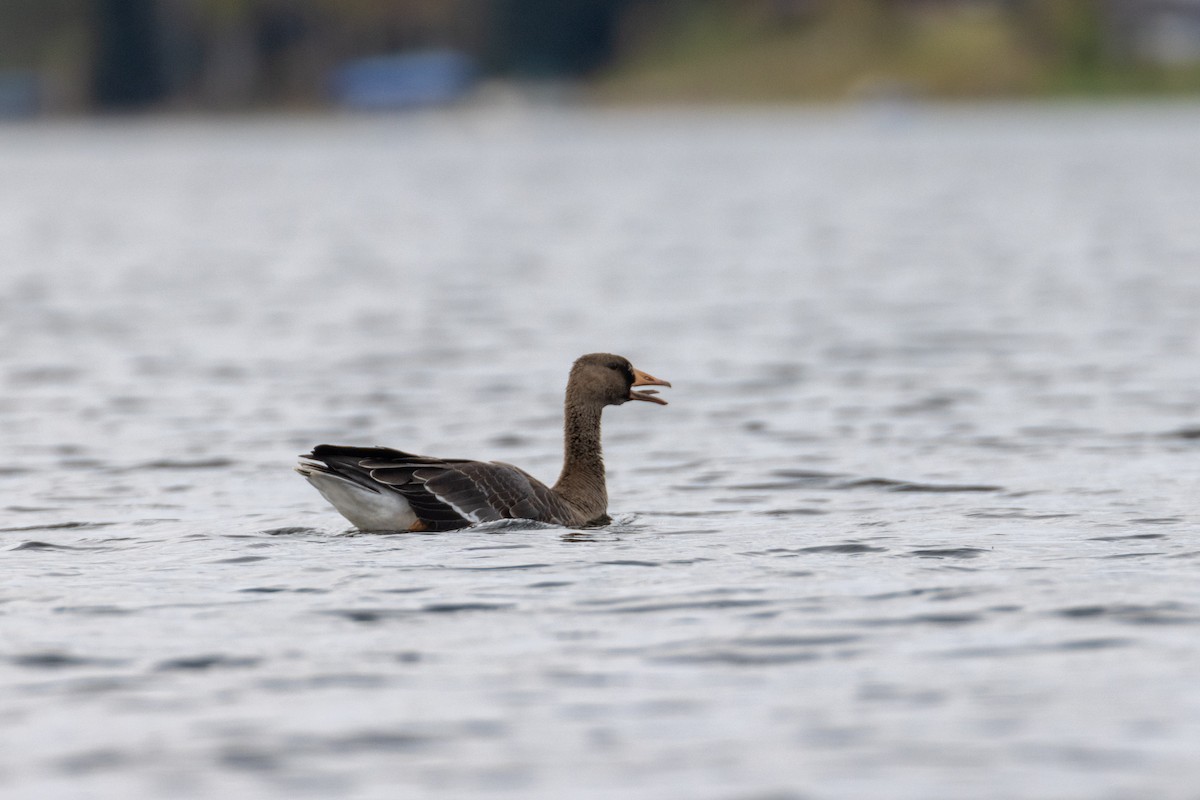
x=582, y=480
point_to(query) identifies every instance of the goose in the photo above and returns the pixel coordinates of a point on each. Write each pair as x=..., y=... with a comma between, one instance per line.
x=381, y=489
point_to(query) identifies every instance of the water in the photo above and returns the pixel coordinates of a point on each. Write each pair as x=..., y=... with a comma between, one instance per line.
x=919, y=522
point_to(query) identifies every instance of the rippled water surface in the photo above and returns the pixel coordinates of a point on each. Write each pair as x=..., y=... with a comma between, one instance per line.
x=919, y=522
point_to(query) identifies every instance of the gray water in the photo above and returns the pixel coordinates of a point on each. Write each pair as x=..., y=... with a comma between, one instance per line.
x=919, y=522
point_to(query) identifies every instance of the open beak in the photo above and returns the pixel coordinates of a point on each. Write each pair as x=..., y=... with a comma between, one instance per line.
x=642, y=379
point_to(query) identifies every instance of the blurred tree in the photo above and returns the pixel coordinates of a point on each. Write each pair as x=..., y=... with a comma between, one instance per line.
x=31, y=28
x=128, y=72
x=555, y=37
x=229, y=64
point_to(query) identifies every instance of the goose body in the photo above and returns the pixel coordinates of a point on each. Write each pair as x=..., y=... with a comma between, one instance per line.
x=378, y=488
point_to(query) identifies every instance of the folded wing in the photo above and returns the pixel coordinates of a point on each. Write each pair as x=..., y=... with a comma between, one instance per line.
x=446, y=494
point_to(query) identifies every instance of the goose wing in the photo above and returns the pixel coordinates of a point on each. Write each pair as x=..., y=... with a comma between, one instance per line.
x=473, y=491
x=446, y=494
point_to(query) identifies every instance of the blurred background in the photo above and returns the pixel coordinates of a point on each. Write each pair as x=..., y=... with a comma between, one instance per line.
x=78, y=56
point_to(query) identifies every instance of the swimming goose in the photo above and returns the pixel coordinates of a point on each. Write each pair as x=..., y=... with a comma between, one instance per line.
x=379, y=489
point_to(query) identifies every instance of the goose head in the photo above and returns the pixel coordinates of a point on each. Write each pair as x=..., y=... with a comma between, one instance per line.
x=603, y=379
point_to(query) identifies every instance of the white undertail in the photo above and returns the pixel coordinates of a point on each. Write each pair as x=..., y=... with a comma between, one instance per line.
x=366, y=510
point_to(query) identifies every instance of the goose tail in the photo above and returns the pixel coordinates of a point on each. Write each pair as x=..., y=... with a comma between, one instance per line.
x=335, y=472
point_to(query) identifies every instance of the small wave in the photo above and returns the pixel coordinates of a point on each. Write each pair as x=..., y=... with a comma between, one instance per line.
x=1013, y=651
x=58, y=660
x=1157, y=614
x=330, y=681
x=737, y=658
x=380, y=741
x=939, y=593
x=948, y=552
x=797, y=641
x=94, y=611
x=283, y=589
x=366, y=614
x=807, y=474
x=890, y=485
x=964, y=618
x=849, y=548
x=290, y=531
x=501, y=568
x=371, y=615
x=205, y=662
x=1143, y=554
x=1016, y=515
x=182, y=464
x=499, y=547
x=57, y=526
x=456, y=608
x=691, y=514
x=749, y=651
x=49, y=374
x=769, y=486
x=510, y=525
x=92, y=761
x=1131, y=537
x=36, y=545
x=693, y=605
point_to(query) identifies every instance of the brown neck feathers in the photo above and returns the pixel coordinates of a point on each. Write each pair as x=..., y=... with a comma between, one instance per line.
x=581, y=482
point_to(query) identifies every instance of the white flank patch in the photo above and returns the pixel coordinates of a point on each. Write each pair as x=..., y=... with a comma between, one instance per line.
x=368, y=511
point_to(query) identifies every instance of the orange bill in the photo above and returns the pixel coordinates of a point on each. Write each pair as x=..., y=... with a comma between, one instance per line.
x=645, y=379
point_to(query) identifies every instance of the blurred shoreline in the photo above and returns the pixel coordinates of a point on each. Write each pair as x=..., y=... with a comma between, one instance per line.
x=898, y=50
x=101, y=56
x=537, y=101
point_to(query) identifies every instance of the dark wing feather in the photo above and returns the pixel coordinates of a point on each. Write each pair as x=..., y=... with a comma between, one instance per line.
x=446, y=494
x=347, y=461
x=489, y=491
